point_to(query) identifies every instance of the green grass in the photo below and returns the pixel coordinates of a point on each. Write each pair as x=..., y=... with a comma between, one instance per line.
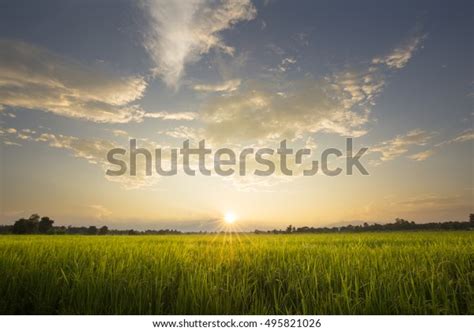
x=372, y=273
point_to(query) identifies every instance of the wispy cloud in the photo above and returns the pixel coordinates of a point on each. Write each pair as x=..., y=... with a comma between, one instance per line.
x=183, y=132
x=93, y=150
x=286, y=63
x=400, y=145
x=400, y=56
x=433, y=203
x=100, y=212
x=180, y=32
x=35, y=78
x=226, y=86
x=120, y=133
x=178, y=116
x=421, y=156
x=466, y=135
x=337, y=104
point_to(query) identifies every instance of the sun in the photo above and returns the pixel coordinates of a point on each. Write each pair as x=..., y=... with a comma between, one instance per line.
x=230, y=217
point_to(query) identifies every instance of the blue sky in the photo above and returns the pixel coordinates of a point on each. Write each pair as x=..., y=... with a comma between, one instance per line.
x=78, y=76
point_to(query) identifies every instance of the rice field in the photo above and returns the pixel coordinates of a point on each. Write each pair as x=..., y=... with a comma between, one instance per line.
x=370, y=273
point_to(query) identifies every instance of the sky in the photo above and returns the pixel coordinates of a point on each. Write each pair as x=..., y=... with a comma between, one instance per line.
x=79, y=78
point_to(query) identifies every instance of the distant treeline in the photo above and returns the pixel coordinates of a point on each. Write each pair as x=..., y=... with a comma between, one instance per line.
x=44, y=225
x=399, y=224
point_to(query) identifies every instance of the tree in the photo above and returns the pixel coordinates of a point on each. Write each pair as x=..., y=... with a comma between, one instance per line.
x=92, y=230
x=471, y=219
x=25, y=226
x=20, y=226
x=400, y=221
x=45, y=225
x=289, y=229
x=103, y=230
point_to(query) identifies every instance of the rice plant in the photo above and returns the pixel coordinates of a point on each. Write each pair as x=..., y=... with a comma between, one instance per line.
x=370, y=273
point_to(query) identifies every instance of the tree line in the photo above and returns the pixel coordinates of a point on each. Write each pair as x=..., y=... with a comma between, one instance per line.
x=36, y=224
x=399, y=224
x=45, y=225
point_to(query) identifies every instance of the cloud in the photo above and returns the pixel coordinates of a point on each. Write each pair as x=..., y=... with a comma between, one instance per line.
x=93, y=150
x=400, y=145
x=226, y=86
x=120, y=133
x=100, y=212
x=183, y=132
x=11, y=143
x=275, y=49
x=340, y=103
x=400, y=56
x=464, y=136
x=261, y=111
x=8, y=135
x=422, y=155
x=35, y=78
x=286, y=63
x=180, y=32
x=358, y=87
x=179, y=116
x=431, y=202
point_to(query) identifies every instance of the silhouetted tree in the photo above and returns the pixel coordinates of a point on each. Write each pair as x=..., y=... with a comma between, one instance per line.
x=6, y=229
x=399, y=224
x=103, y=230
x=35, y=224
x=92, y=230
x=45, y=225
x=400, y=221
x=34, y=217
x=25, y=226
x=20, y=226
x=59, y=230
